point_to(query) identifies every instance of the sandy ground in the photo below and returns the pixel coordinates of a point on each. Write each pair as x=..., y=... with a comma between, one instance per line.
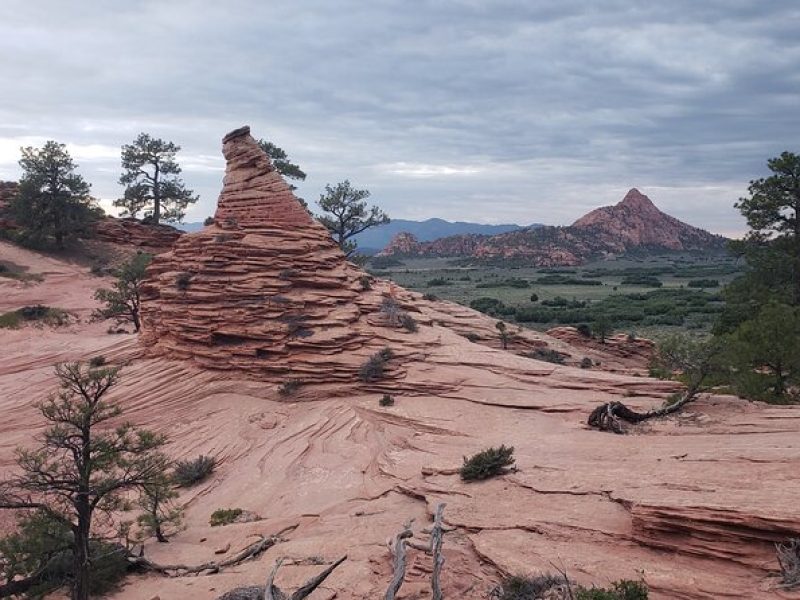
x=690, y=504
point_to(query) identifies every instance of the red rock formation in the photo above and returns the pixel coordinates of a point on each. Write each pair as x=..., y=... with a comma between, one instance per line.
x=633, y=349
x=633, y=224
x=406, y=244
x=265, y=289
x=132, y=232
x=403, y=244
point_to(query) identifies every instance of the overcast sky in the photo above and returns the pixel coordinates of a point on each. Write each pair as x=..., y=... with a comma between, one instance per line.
x=525, y=111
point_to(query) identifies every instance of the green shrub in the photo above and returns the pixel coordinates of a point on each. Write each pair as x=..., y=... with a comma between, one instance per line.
x=487, y=463
x=586, y=363
x=39, y=313
x=366, y=282
x=547, y=355
x=430, y=297
x=534, y=297
x=407, y=322
x=472, y=336
x=375, y=367
x=646, y=280
x=387, y=400
x=703, y=283
x=625, y=589
x=518, y=587
x=438, y=282
x=190, y=472
x=97, y=361
x=224, y=516
x=585, y=330
x=209, y=221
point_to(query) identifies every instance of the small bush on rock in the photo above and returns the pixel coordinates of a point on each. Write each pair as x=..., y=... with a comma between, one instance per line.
x=97, y=361
x=208, y=221
x=407, y=322
x=518, y=587
x=375, y=367
x=586, y=363
x=547, y=355
x=224, y=516
x=789, y=561
x=366, y=282
x=190, y=472
x=625, y=589
x=387, y=400
x=585, y=330
x=290, y=387
x=183, y=280
x=488, y=463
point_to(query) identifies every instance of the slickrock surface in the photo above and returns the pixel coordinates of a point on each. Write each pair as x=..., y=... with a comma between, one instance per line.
x=691, y=504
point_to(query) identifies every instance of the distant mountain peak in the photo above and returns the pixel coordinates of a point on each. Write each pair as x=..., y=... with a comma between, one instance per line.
x=636, y=199
x=634, y=223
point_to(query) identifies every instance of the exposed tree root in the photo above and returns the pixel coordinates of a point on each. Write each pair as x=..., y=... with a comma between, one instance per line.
x=181, y=570
x=612, y=416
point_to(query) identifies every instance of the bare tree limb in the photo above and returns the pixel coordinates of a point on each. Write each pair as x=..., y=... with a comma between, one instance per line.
x=436, y=552
x=399, y=553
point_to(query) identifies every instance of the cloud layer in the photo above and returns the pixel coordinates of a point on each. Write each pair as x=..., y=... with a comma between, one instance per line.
x=462, y=109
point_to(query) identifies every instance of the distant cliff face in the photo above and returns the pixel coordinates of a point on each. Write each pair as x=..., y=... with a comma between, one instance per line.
x=635, y=223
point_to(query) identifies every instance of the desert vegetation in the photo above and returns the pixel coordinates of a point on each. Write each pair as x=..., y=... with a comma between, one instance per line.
x=487, y=463
x=123, y=301
x=37, y=315
x=191, y=472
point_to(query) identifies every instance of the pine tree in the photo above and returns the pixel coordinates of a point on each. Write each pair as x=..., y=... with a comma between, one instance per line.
x=345, y=214
x=151, y=181
x=52, y=201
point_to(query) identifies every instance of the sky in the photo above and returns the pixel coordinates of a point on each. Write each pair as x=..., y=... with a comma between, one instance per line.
x=487, y=111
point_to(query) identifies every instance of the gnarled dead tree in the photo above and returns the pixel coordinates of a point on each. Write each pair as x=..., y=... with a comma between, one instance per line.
x=694, y=358
x=434, y=548
x=180, y=570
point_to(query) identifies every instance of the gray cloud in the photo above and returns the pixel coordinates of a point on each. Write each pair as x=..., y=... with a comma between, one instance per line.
x=492, y=111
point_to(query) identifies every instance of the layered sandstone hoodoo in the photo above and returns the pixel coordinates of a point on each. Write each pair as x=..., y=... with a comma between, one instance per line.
x=264, y=289
x=132, y=232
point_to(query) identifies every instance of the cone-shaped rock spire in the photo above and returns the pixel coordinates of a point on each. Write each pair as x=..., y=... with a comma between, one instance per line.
x=264, y=289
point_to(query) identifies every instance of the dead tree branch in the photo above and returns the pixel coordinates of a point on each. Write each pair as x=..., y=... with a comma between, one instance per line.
x=181, y=570
x=610, y=416
x=273, y=592
x=399, y=553
x=436, y=552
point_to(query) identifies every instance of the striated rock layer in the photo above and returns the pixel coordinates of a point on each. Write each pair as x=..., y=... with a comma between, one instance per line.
x=132, y=232
x=264, y=289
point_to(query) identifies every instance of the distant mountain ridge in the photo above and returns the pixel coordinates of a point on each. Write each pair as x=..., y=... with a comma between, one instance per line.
x=430, y=229
x=634, y=224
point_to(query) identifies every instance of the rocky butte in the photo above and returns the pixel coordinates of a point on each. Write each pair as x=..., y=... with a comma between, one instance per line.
x=634, y=224
x=692, y=504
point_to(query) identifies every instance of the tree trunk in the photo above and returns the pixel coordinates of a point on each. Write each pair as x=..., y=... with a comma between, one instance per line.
x=159, y=534
x=156, y=198
x=137, y=324
x=81, y=566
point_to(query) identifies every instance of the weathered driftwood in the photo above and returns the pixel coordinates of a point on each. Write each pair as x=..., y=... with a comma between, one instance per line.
x=181, y=570
x=272, y=592
x=610, y=416
x=436, y=553
x=399, y=553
